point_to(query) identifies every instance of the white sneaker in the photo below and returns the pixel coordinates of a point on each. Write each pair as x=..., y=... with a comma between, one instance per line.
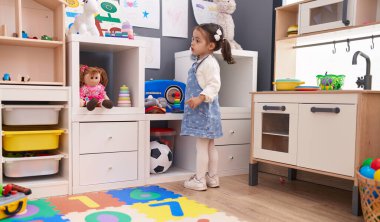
x=196, y=184
x=212, y=181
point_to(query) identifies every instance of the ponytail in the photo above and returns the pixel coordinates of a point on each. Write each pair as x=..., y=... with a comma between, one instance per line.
x=226, y=52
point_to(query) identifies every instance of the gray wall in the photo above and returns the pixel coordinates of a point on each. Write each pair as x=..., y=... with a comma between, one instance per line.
x=253, y=30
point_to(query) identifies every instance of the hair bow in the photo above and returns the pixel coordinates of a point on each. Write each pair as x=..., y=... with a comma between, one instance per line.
x=83, y=68
x=217, y=35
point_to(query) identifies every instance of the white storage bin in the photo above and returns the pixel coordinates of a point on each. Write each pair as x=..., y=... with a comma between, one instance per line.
x=31, y=114
x=31, y=166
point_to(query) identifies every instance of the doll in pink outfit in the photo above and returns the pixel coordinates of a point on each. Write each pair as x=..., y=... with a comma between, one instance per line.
x=92, y=88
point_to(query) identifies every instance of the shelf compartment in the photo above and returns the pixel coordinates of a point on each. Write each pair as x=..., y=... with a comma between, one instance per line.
x=285, y=16
x=275, y=143
x=122, y=59
x=44, y=66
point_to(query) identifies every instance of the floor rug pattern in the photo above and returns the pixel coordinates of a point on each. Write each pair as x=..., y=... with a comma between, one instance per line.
x=139, y=204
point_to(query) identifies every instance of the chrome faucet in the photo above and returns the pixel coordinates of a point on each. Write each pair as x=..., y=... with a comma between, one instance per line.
x=366, y=81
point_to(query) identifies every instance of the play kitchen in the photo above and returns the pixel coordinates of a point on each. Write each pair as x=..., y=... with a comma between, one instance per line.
x=311, y=121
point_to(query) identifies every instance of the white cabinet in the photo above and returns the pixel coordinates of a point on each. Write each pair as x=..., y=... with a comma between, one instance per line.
x=326, y=132
x=326, y=137
x=275, y=132
x=49, y=182
x=237, y=80
x=108, y=144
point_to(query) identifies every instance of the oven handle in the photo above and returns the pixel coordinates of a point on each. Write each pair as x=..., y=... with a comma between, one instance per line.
x=277, y=108
x=325, y=110
x=345, y=21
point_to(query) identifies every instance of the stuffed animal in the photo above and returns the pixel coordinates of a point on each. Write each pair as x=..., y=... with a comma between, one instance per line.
x=93, y=81
x=84, y=23
x=153, y=105
x=225, y=9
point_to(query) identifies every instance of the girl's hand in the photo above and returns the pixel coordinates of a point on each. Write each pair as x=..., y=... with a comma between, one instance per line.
x=194, y=102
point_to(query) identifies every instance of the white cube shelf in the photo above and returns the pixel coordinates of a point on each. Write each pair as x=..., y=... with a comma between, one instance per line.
x=123, y=60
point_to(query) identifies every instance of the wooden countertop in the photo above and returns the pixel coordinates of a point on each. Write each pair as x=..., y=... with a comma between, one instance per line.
x=320, y=92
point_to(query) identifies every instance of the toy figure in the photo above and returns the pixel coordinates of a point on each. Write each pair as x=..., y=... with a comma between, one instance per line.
x=153, y=105
x=84, y=23
x=224, y=18
x=93, y=81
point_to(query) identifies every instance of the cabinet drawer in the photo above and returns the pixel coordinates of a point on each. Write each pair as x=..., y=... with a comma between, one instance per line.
x=235, y=132
x=107, y=167
x=233, y=157
x=326, y=137
x=108, y=137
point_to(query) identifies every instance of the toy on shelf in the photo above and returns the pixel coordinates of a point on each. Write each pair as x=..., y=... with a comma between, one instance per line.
x=153, y=105
x=7, y=77
x=127, y=29
x=166, y=89
x=224, y=19
x=84, y=23
x=124, y=97
x=23, y=78
x=93, y=81
x=46, y=37
x=161, y=157
x=177, y=103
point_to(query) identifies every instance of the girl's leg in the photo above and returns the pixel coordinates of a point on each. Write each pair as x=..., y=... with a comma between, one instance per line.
x=213, y=159
x=202, y=145
x=212, y=179
x=198, y=181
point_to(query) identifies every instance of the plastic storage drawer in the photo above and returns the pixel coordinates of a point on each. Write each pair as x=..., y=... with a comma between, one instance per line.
x=17, y=141
x=31, y=166
x=31, y=114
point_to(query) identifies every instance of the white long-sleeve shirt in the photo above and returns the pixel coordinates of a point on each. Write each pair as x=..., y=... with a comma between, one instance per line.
x=208, y=77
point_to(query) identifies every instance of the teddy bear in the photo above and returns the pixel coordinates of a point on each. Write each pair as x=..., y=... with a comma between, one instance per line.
x=225, y=8
x=93, y=81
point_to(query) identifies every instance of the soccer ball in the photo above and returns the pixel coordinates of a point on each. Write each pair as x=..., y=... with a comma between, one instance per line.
x=161, y=157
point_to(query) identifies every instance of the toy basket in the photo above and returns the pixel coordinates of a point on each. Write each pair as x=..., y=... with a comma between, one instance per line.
x=370, y=198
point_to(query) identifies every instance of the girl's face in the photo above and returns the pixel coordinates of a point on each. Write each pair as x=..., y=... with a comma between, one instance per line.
x=92, y=79
x=200, y=46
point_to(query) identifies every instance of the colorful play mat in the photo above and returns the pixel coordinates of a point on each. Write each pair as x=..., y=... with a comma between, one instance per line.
x=140, y=204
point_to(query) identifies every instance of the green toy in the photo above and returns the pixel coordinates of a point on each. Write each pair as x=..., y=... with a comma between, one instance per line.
x=367, y=162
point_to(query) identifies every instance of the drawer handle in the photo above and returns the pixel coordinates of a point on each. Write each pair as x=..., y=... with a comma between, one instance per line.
x=325, y=110
x=279, y=108
x=110, y=168
x=231, y=157
x=110, y=138
x=232, y=132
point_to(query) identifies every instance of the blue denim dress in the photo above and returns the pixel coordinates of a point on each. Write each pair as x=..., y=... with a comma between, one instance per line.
x=203, y=121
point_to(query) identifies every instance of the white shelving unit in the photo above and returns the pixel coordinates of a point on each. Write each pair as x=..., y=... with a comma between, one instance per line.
x=108, y=144
x=237, y=82
x=48, y=185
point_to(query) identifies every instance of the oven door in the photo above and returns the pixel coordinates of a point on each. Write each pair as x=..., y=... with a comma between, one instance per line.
x=325, y=14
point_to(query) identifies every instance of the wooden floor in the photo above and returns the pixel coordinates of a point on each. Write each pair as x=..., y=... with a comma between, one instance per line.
x=272, y=201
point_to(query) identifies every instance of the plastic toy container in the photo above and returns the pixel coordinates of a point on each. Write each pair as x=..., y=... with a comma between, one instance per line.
x=163, y=135
x=31, y=166
x=287, y=84
x=330, y=81
x=12, y=205
x=17, y=141
x=31, y=114
x=370, y=198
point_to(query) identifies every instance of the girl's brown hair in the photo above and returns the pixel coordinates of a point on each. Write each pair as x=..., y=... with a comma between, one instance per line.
x=211, y=29
x=84, y=69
